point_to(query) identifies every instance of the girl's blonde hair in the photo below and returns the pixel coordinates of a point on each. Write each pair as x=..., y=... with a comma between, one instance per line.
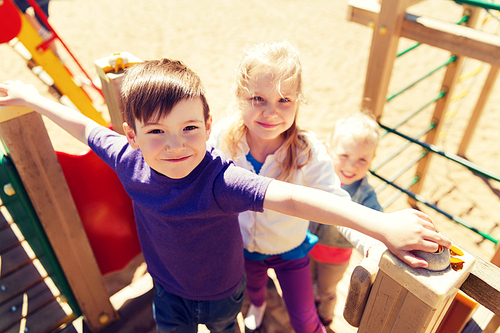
x=282, y=60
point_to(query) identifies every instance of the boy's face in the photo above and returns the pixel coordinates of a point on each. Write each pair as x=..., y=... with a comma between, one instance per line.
x=351, y=158
x=176, y=144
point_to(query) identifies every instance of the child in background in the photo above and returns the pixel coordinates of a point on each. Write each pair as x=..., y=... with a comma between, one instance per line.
x=264, y=137
x=353, y=146
x=187, y=199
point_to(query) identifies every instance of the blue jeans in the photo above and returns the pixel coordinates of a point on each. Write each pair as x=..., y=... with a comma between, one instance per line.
x=177, y=314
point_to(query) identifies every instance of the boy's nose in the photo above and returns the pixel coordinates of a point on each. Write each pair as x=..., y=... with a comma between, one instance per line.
x=174, y=145
x=350, y=165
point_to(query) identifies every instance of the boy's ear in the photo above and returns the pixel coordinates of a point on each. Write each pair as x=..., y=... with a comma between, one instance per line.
x=208, y=127
x=131, y=137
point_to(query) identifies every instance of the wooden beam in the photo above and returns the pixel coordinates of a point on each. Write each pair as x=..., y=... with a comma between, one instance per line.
x=449, y=84
x=382, y=54
x=28, y=145
x=478, y=110
x=483, y=284
x=363, y=12
x=457, y=39
x=111, y=82
x=366, y=12
x=8, y=113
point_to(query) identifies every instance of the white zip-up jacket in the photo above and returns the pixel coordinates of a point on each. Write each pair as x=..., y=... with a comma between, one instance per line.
x=273, y=233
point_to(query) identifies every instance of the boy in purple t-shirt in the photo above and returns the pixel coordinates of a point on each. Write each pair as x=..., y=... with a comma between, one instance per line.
x=187, y=199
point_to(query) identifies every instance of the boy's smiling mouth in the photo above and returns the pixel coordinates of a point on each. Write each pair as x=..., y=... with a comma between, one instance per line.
x=177, y=159
x=348, y=175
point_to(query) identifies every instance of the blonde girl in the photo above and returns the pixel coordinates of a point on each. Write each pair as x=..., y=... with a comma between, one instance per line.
x=263, y=136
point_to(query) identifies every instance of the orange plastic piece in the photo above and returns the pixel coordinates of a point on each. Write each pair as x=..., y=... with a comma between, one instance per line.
x=458, y=314
x=104, y=208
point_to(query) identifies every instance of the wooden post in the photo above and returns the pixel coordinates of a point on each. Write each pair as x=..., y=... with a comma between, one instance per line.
x=478, y=110
x=383, y=52
x=494, y=323
x=410, y=300
x=111, y=78
x=26, y=141
x=449, y=82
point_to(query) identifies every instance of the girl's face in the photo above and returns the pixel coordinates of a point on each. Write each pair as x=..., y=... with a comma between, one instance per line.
x=351, y=158
x=267, y=111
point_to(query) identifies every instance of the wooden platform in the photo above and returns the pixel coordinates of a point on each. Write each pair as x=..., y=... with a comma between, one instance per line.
x=136, y=313
x=29, y=300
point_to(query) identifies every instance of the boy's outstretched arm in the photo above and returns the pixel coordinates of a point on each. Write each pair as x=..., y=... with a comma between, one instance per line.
x=20, y=94
x=401, y=231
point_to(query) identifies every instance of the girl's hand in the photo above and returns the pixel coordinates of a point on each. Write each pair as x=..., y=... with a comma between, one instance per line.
x=17, y=93
x=409, y=230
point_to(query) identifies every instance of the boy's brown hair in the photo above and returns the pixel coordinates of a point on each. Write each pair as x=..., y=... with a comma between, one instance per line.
x=151, y=89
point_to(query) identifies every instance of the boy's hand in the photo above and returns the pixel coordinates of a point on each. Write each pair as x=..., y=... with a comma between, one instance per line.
x=16, y=93
x=409, y=230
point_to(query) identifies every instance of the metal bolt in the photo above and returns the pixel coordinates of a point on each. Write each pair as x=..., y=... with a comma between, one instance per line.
x=3, y=288
x=382, y=30
x=7, y=188
x=13, y=308
x=103, y=318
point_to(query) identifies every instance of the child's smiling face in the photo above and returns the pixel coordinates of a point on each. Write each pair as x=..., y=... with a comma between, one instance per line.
x=175, y=144
x=267, y=110
x=351, y=158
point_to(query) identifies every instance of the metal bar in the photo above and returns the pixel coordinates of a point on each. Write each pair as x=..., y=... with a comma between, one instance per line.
x=407, y=50
x=401, y=171
x=455, y=218
x=396, y=195
x=477, y=3
x=462, y=161
x=462, y=20
x=414, y=113
x=398, y=150
x=452, y=59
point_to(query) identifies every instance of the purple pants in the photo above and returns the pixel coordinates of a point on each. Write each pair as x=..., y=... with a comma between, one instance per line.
x=294, y=277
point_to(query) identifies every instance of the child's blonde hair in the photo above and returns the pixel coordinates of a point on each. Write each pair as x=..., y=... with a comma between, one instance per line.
x=282, y=60
x=361, y=126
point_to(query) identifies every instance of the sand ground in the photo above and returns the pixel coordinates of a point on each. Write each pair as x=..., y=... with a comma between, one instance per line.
x=209, y=36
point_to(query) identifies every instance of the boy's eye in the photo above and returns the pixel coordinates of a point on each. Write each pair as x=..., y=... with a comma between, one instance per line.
x=155, y=131
x=257, y=98
x=190, y=128
x=284, y=100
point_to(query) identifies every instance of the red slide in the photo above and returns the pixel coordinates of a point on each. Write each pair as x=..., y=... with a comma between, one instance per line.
x=105, y=209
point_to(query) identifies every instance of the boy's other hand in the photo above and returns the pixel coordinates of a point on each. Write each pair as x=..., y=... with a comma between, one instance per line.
x=409, y=230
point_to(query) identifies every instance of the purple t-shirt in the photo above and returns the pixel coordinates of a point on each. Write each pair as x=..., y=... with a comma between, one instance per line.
x=188, y=228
